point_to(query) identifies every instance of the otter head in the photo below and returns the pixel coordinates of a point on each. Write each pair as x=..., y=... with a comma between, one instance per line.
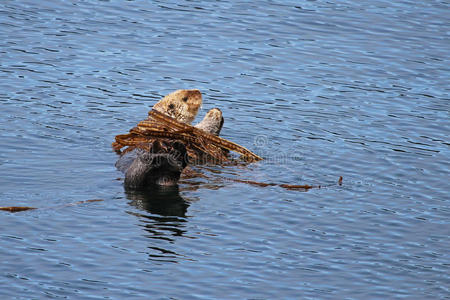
x=182, y=105
x=212, y=122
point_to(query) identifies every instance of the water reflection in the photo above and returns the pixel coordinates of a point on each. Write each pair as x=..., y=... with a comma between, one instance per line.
x=163, y=221
x=164, y=201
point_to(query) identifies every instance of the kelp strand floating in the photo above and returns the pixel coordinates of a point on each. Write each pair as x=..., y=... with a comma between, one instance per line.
x=197, y=141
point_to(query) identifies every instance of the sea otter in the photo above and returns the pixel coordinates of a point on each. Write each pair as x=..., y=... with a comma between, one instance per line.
x=164, y=160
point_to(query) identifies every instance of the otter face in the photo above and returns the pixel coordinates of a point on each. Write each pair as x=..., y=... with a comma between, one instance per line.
x=182, y=105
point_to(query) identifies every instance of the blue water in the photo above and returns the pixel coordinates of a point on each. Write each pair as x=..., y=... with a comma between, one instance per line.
x=358, y=89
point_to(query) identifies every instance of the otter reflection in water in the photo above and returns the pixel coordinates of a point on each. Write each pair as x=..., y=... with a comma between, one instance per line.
x=164, y=201
x=163, y=220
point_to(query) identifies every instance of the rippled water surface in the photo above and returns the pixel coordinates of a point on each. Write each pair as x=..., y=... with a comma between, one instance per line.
x=358, y=89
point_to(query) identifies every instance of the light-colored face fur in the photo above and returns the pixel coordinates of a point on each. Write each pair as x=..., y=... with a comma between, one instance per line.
x=212, y=122
x=182, y=105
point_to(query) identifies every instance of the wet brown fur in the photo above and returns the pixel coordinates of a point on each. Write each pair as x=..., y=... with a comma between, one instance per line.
x=182, y=105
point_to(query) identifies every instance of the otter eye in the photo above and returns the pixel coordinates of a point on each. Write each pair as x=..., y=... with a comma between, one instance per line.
x=171, y=106
x=185, y=99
